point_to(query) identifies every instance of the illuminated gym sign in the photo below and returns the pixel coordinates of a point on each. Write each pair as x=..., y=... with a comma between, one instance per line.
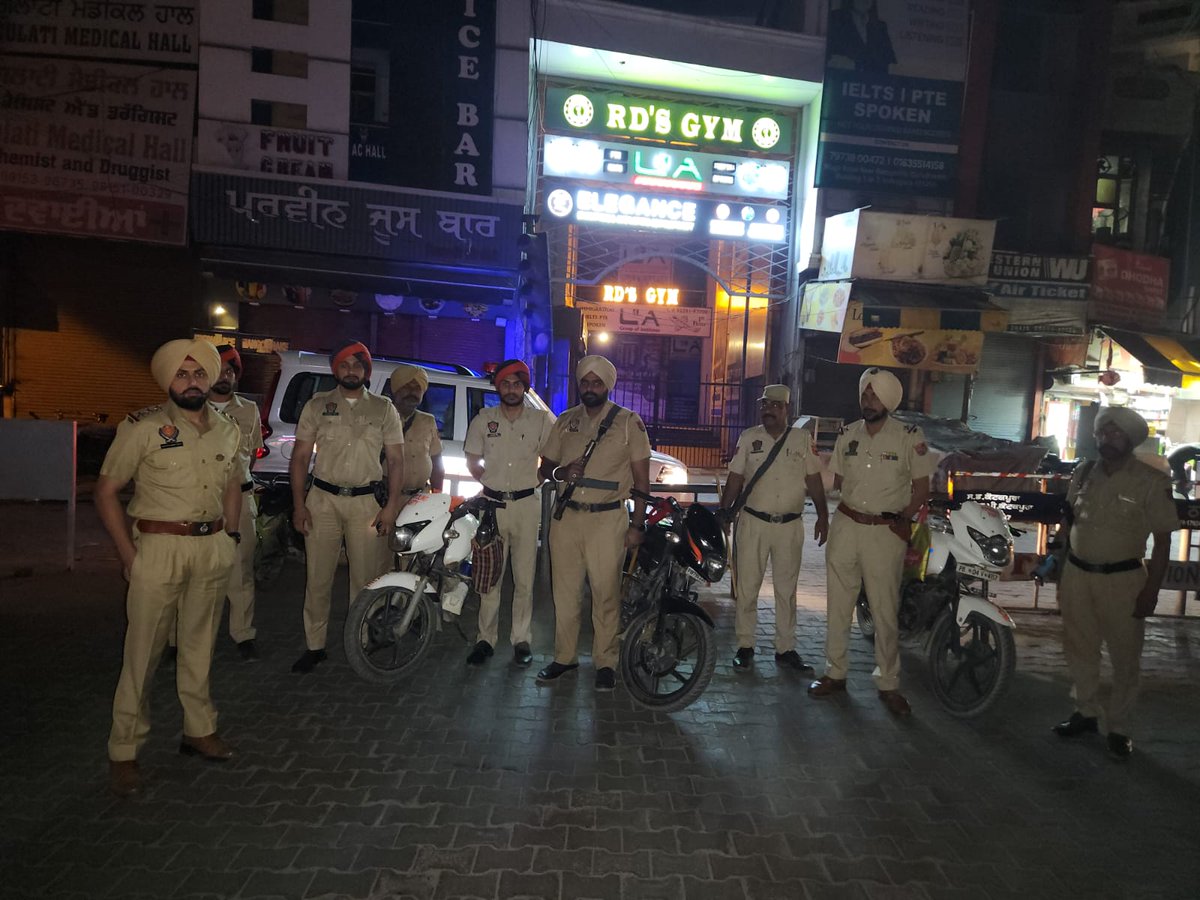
x=699, y=124
x=650, y=296
x=750, y=222
x=665, y=168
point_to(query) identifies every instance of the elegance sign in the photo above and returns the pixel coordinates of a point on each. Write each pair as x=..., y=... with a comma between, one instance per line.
x=701, y=123
x=660, y=167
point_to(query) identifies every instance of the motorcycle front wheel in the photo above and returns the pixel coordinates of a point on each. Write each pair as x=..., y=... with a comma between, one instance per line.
x=374, y=650
x=969, y=677
x=669, y=672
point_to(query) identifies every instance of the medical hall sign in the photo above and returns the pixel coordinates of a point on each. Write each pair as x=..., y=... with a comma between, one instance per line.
x=440, y=108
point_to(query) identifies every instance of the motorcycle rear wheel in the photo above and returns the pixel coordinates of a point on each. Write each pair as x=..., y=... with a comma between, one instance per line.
x=670, y=673
x=972, y=680
x=862, y=612
x=373, y=649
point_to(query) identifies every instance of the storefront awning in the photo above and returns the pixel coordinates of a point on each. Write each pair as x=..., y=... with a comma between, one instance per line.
x=1169, y=361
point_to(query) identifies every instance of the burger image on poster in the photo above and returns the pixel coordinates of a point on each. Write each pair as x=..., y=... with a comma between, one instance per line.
x=343, y=299
x=432, y=306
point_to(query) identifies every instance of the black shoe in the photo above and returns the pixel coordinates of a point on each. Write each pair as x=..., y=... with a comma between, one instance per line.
x=606, y=679
x=248, y=651
x=791, y=660
x=170, y=655
x=308, y=661
x=1120, y=746
x=521, y=654
x=479, y=655
x=1076, y=725
x=744, y=658
x=556, y=669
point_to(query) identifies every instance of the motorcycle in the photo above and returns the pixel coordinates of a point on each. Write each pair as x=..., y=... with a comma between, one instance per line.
x=668, y=652
x=970, y=648
x=277, y=539
x=391, y=624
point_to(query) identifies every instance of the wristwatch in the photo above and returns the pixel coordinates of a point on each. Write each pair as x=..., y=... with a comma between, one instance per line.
x=236, y=535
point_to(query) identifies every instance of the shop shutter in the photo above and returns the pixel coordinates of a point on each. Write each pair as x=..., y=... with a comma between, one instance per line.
x=1001, y=400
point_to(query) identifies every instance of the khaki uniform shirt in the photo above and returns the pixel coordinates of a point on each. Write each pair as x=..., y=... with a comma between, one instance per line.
x=422, y=443
x=179, y=474
x=878, y=472
x=782, y=488
x=349, y=437
x=245, y=415
x=608, y=475
x=1115, y=514
x=510, y=449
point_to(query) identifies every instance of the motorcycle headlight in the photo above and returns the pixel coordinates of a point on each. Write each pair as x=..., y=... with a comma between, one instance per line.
x=402, y=537
x=714, y=568
x=672, y=474
x=995, y=548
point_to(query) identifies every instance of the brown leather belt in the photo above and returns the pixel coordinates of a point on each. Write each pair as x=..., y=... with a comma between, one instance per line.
x=185, y=529
x=865, y=519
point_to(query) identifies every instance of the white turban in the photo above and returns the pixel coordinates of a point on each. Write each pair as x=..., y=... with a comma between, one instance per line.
x=886, y=386
x=598, y=366
x=170, y=356
x=402, y=375
x=1126, y=420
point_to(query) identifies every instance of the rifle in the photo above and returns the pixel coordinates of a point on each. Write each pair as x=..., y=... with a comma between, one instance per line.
x=561, y=504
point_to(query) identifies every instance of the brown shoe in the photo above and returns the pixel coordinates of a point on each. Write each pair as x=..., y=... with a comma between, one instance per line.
x=124, y=778
x=895, y=702
x=824, y=686
x=210, y=747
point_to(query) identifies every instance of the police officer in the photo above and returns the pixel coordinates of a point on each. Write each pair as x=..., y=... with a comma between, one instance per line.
x=423, y=468
x=1106, y=591
x=770, y=525
x=183, y=458
x=502, y=448
x=351, y=425
x=241, y=581
x=882, y=469
x=595, y=531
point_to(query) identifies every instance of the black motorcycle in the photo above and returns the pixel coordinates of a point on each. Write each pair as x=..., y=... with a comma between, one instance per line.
x=668, y=652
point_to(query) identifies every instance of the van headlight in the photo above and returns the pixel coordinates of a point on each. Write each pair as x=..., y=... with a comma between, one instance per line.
x=672, y=474
x=402, y=537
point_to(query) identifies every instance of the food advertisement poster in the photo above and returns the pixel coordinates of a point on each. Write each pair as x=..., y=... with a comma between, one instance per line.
x=935, y=349
x=896, y=247
x=824, y=307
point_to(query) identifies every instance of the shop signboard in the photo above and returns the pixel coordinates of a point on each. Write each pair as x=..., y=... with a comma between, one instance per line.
x=276, y=151
x=672, y=213
x=317, y=217
x=658, y=167
x=716, y=125
x=908, y=345
x=134, y=30
x=1044, y=295
x=898, y=247
x=824, y=307
x=1128, y=288
x=96, y=149
x=679, y=321
x=891, y=104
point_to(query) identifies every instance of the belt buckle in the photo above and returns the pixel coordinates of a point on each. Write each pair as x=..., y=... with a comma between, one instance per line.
x=776, y=519
x=507, y=495
x=203, y=528
x=345, y=492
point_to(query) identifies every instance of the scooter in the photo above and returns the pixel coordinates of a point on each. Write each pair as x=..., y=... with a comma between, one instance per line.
x=391, y=624
x=944, y=594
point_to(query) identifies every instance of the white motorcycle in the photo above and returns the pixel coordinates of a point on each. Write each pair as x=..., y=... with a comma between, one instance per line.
x=970, y=647
x=391, y=624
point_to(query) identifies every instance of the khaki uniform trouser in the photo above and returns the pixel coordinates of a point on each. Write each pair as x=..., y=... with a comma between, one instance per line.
x=1098, y=609
x=240, y=590
x=335, y=519
x=592, y=546
x=173, y=578
x=756, y=542
x=517, y=524
x=857, y=556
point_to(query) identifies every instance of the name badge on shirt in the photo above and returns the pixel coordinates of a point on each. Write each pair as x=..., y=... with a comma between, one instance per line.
x=892, y=456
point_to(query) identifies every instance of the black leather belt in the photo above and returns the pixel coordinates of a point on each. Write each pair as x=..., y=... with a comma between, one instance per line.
x=412, y=492
x=773, y=518
x=509, y=495
x=1125, y=565
x=595, y=507
x=248, y=486
x=343, y=491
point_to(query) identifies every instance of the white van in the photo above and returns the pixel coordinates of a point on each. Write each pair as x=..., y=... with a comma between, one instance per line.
x=455, y=396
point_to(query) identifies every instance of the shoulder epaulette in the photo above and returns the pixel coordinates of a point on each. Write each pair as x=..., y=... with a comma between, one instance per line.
x=841, y=429
x=911, y=429
x=142, y=413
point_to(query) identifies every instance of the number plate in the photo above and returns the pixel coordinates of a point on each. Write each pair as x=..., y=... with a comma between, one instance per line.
x=978, y=572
